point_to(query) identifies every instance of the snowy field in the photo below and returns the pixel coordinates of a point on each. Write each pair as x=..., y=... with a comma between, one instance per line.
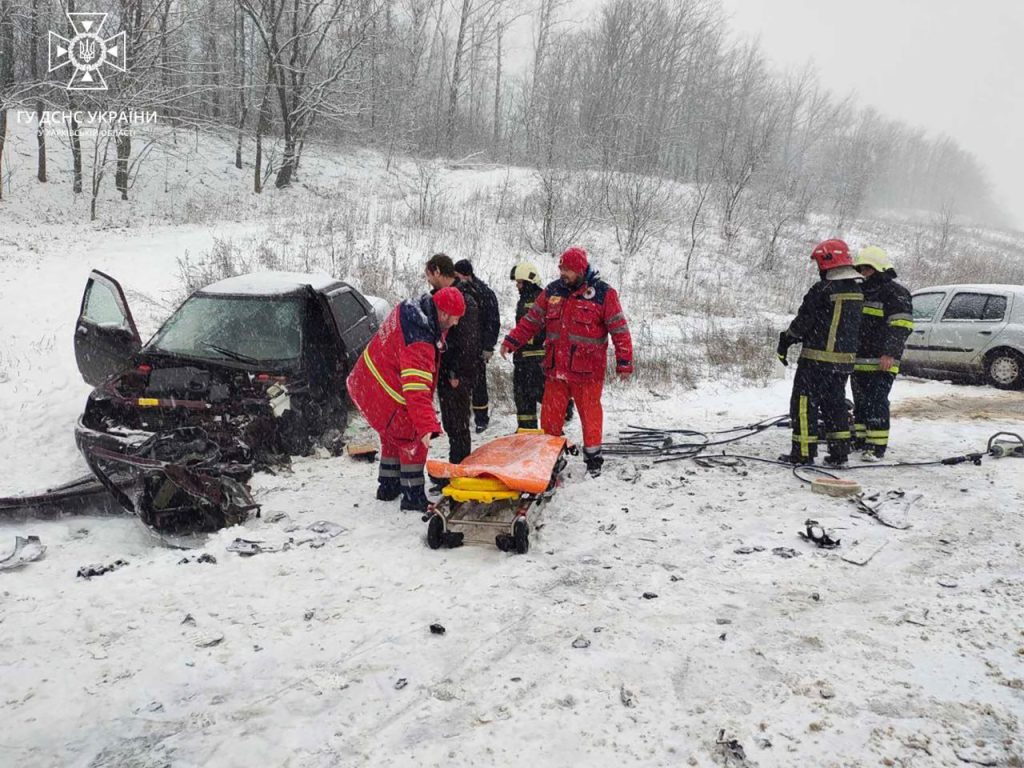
x=294, y=658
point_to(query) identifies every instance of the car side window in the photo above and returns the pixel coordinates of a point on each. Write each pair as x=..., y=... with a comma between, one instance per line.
x=346, y=309
x=995, y=308
x=965, y=306
x=925, y=305
x=102, y=307
x=975, y=306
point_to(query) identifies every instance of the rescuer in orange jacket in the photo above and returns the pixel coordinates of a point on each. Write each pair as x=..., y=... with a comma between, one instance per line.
x=393, y=384
x=578, y=312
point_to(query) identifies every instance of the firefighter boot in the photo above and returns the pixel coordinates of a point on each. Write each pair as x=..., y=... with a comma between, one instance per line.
x=389, y=485
x=838, y=453
x=388, y=489
x=413, y=499
x=594, y=460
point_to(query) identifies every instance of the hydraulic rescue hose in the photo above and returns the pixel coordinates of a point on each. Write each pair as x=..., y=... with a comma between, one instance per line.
x=661, y=443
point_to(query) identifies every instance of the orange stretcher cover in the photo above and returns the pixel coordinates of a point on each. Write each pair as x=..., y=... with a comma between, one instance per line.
x=523, y=462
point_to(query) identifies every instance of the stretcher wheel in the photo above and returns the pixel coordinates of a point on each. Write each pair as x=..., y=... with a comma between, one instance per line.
x=435, y=532
x=521, y=536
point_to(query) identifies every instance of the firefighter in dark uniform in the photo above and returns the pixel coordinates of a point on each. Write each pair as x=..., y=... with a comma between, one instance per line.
x=528, y=360
x=460, y=360
x=828, y=327
x=490, y=326
x=887, y=324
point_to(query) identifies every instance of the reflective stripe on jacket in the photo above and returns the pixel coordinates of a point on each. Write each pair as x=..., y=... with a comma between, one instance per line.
x=577, y=323
x=828, y=322
x=393, y=381
x=887, y=324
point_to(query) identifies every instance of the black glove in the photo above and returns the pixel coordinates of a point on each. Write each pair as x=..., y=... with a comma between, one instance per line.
x=785, y=342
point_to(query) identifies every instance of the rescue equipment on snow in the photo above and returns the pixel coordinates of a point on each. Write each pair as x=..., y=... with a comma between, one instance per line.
x=493, y=489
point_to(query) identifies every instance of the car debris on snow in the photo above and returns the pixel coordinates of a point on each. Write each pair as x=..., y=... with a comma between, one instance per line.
x=27, y=549
x=731, y=748
x=322, y=531
x=891, y=510
x=89, y=571
x=748, y=550
x=627, y=697
x=861, y=551
x=206, y=557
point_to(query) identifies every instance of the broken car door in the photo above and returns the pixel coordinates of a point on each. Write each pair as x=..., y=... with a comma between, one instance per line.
x=105, y=335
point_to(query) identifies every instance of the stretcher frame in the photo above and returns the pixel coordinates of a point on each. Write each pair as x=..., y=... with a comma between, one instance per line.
x=450, y=518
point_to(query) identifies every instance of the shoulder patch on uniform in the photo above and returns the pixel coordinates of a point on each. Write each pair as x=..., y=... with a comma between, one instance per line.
x=554, y=299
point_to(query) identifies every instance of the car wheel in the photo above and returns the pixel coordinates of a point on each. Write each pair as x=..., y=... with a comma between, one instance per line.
x=1005, y=369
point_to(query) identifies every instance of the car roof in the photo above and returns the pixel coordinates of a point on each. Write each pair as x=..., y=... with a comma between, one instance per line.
x=271, y=284
x=981, y=287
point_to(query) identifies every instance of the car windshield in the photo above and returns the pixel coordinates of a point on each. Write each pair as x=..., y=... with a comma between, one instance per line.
x=246, y=329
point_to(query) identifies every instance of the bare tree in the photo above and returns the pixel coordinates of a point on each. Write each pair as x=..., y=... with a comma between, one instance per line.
x=34, y=73
x=6, y=76
x=636, y=205
x=297, y=37
x=563, y=203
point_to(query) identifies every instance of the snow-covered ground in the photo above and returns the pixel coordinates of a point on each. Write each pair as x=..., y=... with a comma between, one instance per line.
x=295, y=657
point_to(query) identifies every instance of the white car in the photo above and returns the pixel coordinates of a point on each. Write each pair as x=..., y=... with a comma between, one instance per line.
x=972, y=330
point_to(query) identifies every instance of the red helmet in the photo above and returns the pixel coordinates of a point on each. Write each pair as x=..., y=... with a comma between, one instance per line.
x=831, y=254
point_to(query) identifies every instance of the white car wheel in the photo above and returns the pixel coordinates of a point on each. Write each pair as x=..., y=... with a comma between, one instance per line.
x=1005, y=370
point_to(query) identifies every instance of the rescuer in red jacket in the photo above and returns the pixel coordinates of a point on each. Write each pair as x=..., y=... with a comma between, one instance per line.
x=393, y=384
x=578, y=313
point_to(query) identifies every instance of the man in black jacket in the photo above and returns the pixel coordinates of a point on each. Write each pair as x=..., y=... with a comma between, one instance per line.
x=490, y=325
x=887, y=324
x=460, y=360
x=828, y=327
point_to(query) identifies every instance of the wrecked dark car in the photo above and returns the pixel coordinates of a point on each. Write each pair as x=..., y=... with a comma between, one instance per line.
x=246, y=372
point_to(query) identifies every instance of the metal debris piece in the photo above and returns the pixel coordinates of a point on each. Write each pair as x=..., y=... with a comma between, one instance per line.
x=88, y=571
x=748, y=550
x=26, y=550
x=627, y=697
x=731, y=748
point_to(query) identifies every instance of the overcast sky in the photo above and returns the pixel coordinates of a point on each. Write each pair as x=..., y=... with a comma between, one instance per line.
x=949, y=66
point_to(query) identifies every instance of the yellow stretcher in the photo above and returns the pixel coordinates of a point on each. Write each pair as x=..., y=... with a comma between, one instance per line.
x=493, y=490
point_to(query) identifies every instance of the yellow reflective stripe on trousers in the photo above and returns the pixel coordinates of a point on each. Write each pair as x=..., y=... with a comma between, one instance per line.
x=804, y=436
x=902, y=324
x=533, y=353
x=877, y=437
x=844, y=435
x=380, y=379
x=821, y=356
x=873, y=311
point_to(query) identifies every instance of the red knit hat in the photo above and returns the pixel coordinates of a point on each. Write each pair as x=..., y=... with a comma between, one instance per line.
x=574, y=258
x=450, y=301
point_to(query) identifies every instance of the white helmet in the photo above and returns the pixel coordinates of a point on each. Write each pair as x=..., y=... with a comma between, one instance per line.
x=527, y=271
